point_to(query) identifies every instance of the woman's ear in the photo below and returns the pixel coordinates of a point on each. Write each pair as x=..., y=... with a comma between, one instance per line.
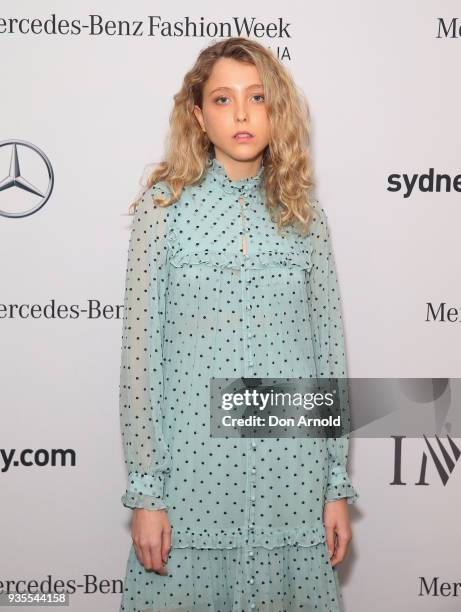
x=199, y=116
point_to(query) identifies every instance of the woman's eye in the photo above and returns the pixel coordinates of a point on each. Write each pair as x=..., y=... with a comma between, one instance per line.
x=220, y=98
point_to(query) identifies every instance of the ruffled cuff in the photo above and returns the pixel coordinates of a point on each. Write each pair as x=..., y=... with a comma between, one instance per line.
x=144, y=491
x=340, y=486
x=137, y=500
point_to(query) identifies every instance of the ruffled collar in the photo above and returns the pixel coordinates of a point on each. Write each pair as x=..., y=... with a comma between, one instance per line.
x=217, y=172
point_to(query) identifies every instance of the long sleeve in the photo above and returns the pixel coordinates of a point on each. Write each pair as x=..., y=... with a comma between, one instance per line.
x=329, y=348
x=141, y=370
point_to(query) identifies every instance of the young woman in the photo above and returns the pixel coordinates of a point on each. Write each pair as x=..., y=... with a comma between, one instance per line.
x=230, y=274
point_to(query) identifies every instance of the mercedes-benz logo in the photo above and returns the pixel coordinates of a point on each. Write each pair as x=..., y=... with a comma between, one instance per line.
x=18, y=181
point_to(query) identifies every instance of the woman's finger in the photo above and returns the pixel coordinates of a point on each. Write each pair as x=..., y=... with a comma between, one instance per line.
x=330, y=539
x=155, y=552
x=341, y=547
x=166, y=543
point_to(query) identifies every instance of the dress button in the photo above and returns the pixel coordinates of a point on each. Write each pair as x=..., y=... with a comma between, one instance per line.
x=253, y=497
x=253, y=470
x=250, y=363
x=252, y=606
x=253, y=444
x=252, y=580
x=251, y=553
x=250, y=334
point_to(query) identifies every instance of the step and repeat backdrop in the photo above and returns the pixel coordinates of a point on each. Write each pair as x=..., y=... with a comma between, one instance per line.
x=86, y=92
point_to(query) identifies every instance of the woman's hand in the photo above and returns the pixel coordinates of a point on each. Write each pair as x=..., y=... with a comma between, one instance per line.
x=336, y=521
x=151, y=535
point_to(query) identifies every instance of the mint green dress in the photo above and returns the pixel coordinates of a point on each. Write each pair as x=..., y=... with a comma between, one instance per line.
x=246, y=514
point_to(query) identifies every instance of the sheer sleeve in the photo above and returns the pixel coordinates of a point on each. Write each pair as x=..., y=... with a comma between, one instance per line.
x=141, y=370
x=329, y=348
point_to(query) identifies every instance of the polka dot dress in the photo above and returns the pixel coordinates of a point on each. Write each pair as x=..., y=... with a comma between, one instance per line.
x=213, y=291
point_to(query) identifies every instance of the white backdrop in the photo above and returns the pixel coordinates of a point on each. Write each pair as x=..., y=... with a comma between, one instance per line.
x=384, y=95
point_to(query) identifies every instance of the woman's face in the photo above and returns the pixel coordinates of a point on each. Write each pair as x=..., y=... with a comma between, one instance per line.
x=233, y=101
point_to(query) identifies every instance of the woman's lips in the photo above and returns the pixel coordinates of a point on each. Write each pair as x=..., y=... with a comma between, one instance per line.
x=243, y=137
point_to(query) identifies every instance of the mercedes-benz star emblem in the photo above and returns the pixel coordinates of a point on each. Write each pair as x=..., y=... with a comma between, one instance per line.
x=17, y=179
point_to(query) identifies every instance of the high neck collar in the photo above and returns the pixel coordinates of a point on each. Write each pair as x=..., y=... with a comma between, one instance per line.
x=217, y=172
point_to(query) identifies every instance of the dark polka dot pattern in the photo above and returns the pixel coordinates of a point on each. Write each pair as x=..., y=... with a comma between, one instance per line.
x=285, y=579
x=213, y=290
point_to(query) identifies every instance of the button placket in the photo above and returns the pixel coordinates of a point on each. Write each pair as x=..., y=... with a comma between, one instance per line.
x=247, y=344
x=252, y=460
x=248, y=353
x=248, y=365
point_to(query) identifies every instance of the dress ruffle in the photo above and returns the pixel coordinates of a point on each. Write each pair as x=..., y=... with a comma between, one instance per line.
x=229, y=259
x=289, y=579
x=139, y=500
x=232, y=538
x=340, y=486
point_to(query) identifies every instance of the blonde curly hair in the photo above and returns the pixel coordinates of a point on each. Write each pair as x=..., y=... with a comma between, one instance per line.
x=288, y=175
